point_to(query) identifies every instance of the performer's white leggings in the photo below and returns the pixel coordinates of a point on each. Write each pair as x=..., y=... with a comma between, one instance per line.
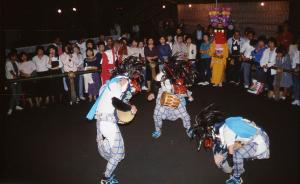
x=110, y=145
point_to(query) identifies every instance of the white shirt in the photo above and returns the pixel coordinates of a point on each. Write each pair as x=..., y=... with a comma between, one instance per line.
x=246, y=49
x=105, y=105
x=41, y=63
x=192, y=51
x=135, y=51
x=296, y=59
x=55, y=60
x=269, y=59
x=70, y=62
x=8, y=68
x=27, y=67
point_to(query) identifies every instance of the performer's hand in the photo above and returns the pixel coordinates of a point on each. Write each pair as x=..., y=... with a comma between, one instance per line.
x=191, y=98
x=133, y=109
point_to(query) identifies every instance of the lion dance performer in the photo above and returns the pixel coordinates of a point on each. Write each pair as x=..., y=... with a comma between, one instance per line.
x=171, y=104
x=219, y=53
x=235, y=139
x=109, y=138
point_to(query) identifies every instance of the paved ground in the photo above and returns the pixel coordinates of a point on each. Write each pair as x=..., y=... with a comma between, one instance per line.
x=57, y=145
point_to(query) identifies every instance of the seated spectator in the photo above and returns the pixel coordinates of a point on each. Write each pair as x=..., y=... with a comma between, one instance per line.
x=170, y=41
x=282, y=80
x=267, y=61
x=246, y=51
x=258, y=75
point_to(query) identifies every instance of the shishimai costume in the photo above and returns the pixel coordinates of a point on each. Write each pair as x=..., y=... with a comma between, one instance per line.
x=163, y=111
x=109, y=138
x=234, y=139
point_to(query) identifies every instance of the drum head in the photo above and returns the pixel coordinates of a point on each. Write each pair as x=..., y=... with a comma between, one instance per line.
x=125, y=117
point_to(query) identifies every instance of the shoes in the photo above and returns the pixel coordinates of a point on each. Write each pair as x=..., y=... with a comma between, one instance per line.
x=220, y=85
x=9, y=112
x=156, y=134
x=19, y=108
x=246, y=86
x=205, y=83
x=234, y=180
x=110, y=180
x=82, y=98
x=144, y=88
x=296, y=102
x=201, y=83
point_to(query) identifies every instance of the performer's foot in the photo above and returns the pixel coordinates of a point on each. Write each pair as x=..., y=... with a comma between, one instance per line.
x=110, y=180
x=190, y=133
x=156, y=134
x=234, y=180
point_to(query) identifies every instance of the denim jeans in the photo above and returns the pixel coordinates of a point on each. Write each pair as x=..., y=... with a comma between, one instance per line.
x=246, y=68
x=80, y=86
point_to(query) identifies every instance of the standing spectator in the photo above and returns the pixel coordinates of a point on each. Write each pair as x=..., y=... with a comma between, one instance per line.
x=58, y=44
x=282, y=79
x=178, y=32
x=70, y=64
x=108, y=61
x=82, y=45
x=296, y=77
x=90, y=44
x=198, y=35
x=191, y=49
x=80, y=67
x=246, y=51
x=109, y=44
x=40, y=61
x=267, y=61
x=28, y=69
x=12, y=72
x=164, y=51
x=136, y=31
x=180, y=49
x=203, y=66
x=55, y=65
x=285, y=37
x=233, y=67
x=151, y=55
x=92, y=80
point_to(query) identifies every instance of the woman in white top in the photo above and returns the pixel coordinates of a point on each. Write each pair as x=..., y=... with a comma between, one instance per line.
x=70, y=64
x=267, y=61
x=80, y=67
x=55, y=65
x=41, y=61
x=27, y=70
